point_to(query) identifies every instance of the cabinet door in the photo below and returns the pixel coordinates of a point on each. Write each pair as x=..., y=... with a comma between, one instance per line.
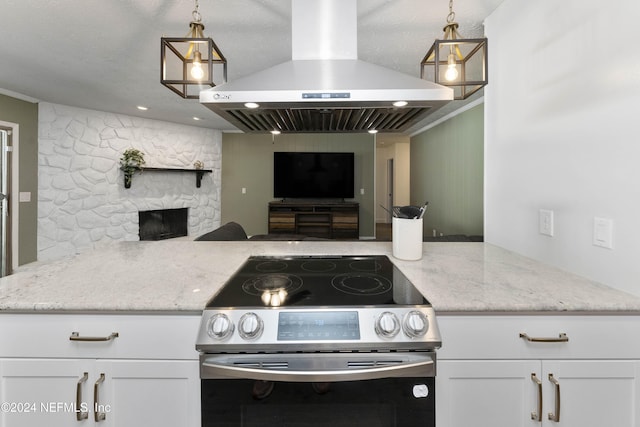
x=42, y=392
x=282, y=222
x=155, y=393
x=592, y=393
x=132, y=393
x=486, y=393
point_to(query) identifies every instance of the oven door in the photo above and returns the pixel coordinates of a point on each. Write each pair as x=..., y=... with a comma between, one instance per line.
x=320, y=389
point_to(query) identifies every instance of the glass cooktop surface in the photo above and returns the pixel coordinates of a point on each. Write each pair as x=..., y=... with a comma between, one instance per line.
x=370, y=280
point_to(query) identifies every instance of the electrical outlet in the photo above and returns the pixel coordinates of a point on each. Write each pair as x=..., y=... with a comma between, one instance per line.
x=545, y=222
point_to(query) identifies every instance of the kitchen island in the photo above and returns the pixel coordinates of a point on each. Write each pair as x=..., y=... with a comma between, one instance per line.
x=516, y=334
x=178, y=276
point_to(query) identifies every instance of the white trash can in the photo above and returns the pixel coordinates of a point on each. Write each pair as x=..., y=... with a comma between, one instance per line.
x=407, y=238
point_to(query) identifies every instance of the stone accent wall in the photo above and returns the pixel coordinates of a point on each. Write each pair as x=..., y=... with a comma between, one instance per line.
x=82, y=201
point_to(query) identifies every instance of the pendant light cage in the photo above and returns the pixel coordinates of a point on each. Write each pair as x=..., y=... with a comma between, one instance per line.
x=456, y=62
x=189, y=64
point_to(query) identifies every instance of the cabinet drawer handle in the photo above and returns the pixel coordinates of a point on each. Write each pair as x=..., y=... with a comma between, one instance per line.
x=537, y=415
x=81, y=415
x=562, y=337
x=98, y=416
x=75, y=336
x=555, y=417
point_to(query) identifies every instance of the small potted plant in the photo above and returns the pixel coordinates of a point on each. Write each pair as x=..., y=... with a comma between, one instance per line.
x=130, y=163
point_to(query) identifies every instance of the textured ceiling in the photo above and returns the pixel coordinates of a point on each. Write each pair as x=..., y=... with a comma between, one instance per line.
x=104, y=54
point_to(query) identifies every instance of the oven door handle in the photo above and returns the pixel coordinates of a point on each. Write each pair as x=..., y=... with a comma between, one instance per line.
x=317, y=367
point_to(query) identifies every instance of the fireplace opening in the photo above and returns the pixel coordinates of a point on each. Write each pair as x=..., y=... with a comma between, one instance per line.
x=162, y=223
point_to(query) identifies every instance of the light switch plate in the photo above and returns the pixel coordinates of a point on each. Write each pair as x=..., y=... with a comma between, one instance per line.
x=545, y=222
x=603, y=232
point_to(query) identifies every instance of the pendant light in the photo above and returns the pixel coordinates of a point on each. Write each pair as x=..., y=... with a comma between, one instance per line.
x=188, y=64
x=456, y=62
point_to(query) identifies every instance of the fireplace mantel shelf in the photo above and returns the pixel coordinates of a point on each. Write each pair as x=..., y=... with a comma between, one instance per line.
x=199, y=172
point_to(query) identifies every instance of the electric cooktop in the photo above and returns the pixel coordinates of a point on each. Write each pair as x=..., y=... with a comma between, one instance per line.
x=317, y=281
x=318, y=303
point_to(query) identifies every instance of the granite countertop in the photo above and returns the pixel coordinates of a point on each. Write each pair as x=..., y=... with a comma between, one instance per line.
x=179, y=276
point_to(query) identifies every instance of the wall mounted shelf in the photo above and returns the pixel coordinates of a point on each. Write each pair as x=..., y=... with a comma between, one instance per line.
x=198, y=172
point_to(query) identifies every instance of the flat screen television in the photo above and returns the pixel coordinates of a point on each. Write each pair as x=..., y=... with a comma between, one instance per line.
x=306, y=175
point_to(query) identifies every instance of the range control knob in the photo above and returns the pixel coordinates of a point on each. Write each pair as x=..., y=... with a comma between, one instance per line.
x=387, y=325
x=250, y=326
x=220, y=326
x=415, y=324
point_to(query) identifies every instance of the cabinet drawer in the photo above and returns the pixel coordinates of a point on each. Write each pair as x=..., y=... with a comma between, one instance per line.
x=282, y=222
x=139, y=336
x=345, y=218
x=285, y=218
x=498, y=337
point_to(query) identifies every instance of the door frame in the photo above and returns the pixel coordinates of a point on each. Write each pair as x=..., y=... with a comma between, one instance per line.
x=390, y=187
x=14, y=192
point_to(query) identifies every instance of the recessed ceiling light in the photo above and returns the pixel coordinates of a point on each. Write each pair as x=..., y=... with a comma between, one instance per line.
x=372, y=131
x=275, y=132
x=142, y=107
x=251, y=105
x=400, y=103
x=196, y=118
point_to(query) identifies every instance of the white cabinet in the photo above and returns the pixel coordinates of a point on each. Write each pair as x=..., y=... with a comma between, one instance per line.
x=117, y=392
x=504, y=393
x=31, y=389
x=151, y=392
x=591, y=393
x=489, y=376
x=484, y=393
x=152, y=381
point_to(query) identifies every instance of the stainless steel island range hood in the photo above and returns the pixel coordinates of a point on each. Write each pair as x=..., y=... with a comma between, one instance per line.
x=325, y=88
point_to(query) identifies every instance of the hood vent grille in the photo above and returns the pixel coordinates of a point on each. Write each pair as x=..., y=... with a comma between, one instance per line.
x=343, y=120
x=325, y=87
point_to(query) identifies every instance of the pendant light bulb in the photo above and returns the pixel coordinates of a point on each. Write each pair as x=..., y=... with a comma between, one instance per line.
x=196, y=70
x=452, y=72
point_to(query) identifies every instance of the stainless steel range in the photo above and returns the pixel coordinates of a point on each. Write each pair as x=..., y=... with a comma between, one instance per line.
x=319, y=333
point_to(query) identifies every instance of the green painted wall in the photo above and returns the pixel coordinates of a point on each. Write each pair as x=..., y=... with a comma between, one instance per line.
x=247, y=162
x=25, y=114
x=447, y=169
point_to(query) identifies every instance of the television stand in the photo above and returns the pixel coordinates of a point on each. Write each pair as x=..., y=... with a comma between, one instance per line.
x=328, y=220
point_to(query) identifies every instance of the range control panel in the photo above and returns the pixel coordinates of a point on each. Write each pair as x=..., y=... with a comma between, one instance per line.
x=318, y=329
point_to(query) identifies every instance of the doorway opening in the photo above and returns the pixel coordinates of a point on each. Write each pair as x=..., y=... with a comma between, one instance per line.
x=5, y=196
